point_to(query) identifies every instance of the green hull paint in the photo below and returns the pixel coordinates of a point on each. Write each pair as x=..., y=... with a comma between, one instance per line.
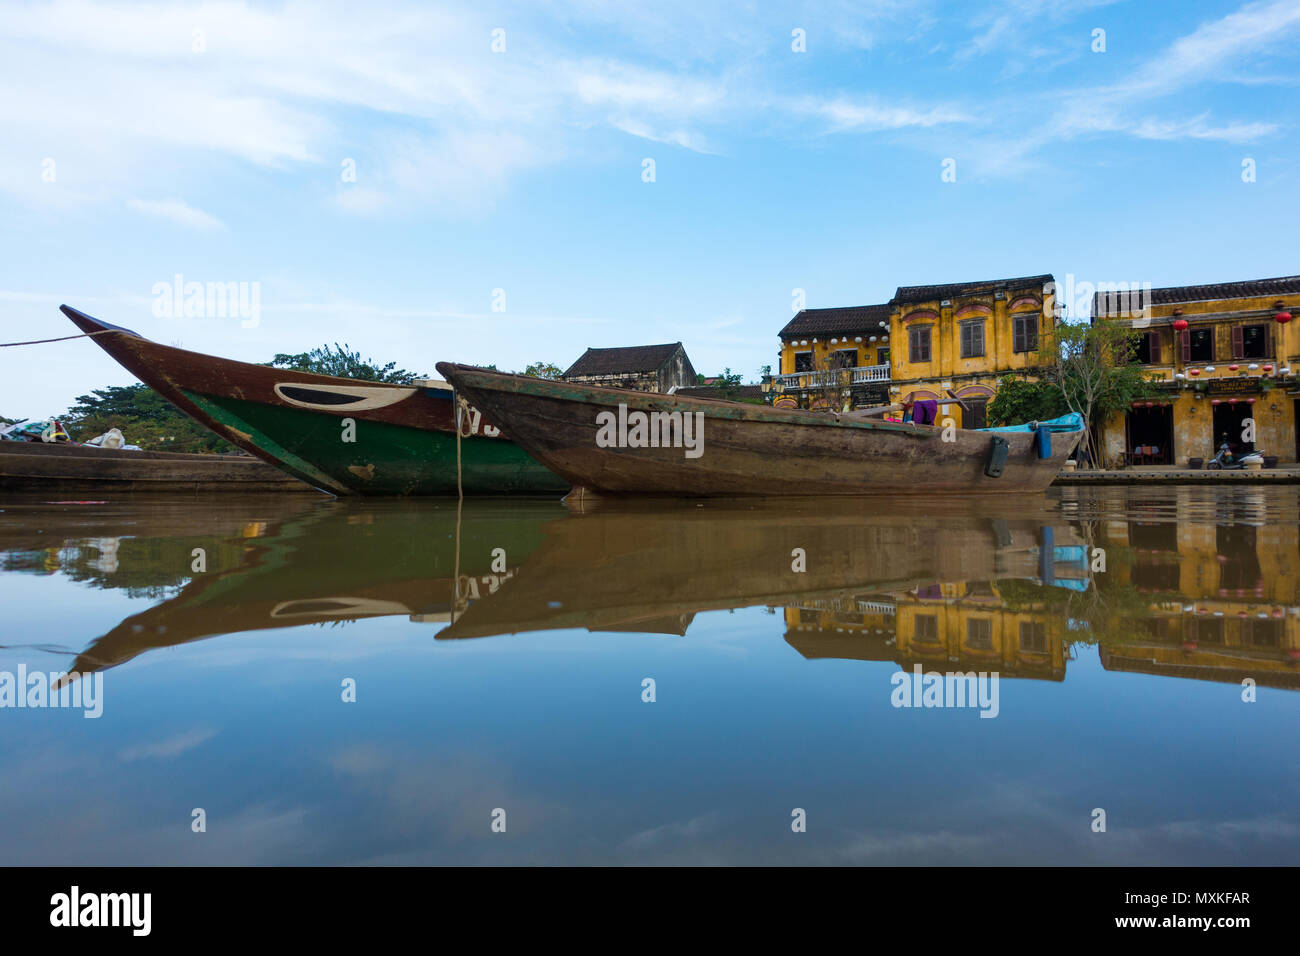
x=384, y=459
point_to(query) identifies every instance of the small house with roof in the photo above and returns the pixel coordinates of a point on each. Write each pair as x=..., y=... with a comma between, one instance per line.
x=644, y=368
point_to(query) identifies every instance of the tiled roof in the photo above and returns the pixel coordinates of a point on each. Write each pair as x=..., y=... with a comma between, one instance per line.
x=853, y=318
x=713, y=391
x=1246, y=289
x=952, y=290
x=634, y=358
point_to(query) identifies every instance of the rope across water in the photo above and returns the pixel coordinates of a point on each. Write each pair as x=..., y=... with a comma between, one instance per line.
x=62, y=338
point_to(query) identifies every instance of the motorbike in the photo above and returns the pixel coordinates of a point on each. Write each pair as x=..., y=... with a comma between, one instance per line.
x=1225, y=461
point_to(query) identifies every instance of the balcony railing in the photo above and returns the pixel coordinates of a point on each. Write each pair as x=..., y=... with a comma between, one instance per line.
x=862, y=375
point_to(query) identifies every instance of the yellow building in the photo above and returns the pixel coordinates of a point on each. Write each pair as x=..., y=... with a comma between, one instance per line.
x=960, y=338
x=834, y=358
x=927, y=342
x=1223, y=355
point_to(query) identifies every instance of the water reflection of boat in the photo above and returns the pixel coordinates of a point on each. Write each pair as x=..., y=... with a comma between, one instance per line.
x=620, y=568
x=339, y=562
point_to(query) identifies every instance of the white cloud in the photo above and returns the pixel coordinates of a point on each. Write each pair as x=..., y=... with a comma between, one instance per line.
x=1208, y=51
x=169, y=747
x=435, y=120
x=678, y=137
x=867, y=115
x=1205, y=55
x=1198, y=128
x=432, y=116
x=176, y=211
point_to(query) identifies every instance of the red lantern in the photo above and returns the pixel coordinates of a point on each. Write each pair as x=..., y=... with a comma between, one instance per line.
x=1180, y=324
x=1282, y=318
x=1232, y=401
x=1268, y=368
x=1216, y=401
x=1250, y=401
x=1193, y=371
x=1233, y=368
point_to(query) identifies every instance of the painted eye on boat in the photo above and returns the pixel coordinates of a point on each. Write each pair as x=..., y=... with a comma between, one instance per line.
x=354, y=397
x=338, y=607
x=318, y=396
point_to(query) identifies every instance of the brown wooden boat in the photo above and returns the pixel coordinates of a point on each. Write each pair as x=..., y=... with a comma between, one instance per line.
x=341, y=435
x=66, y=468
x=619, y=442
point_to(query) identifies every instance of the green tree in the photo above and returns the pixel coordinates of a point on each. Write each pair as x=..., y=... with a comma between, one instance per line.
x=143, y=417
x=341, y=361
x=542, y=370
x=729, y=386
x=1021, y=400
x=1096, y=373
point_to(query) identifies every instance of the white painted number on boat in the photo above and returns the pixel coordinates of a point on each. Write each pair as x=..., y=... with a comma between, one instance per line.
x=476, y=424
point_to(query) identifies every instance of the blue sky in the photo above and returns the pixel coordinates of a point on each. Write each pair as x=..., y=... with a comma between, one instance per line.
x=140, y=140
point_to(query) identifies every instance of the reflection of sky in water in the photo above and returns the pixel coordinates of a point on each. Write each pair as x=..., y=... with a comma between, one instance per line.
x=550, y=726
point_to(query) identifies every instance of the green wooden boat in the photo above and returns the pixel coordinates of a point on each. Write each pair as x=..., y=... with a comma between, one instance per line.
x=343, y=436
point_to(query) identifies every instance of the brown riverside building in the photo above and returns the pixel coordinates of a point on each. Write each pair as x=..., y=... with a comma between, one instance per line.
x=644, y=368
x=1222, y=354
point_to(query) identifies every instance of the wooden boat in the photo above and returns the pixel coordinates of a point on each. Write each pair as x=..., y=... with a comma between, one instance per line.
x=343, y=436
x=75, y=468
x=618, y=442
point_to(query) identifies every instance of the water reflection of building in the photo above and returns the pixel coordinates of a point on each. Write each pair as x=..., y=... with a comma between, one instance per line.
x=966, y=626
x=1223, y=590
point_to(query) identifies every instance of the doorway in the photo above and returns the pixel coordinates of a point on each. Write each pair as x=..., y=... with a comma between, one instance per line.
x=976, y=413
x=1230, y=426
x=1151, y=435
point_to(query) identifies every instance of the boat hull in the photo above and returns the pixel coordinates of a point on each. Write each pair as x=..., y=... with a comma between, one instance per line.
x=748, y=450
x=67, y=468
x=343, y=436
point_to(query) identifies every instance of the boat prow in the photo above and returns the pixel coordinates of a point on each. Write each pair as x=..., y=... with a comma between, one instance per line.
x=91, y=325
x=344, y=436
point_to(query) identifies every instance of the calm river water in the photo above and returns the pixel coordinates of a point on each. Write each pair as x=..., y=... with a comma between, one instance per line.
x=266, y=680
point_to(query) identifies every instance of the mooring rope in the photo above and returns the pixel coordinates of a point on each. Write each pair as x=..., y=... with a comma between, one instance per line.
x=455, y=573
x=460, y=499
x=62, y=338
x=462, y=411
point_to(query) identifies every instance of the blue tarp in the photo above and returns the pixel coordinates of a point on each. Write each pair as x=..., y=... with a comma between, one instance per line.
x=1066, y=423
